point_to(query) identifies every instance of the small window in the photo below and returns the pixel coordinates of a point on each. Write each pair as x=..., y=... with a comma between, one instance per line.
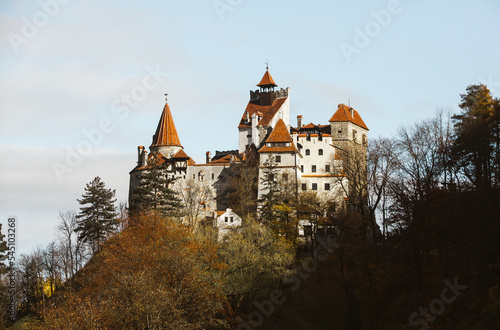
x=314, y=186
x=302, y=168
x=365, y=140
x=213, y=176
x=313, y=169
x=278, y=159
x=225, y=219
x=304, y=186
x=327, y=186
x=320, y=152
x=194, y=176
x=327, y=168
x=308, y=152
x=285, y=177
x=231, y=219
x=354, y=135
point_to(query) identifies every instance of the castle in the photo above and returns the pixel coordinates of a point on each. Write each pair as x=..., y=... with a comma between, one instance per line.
x=307, y=155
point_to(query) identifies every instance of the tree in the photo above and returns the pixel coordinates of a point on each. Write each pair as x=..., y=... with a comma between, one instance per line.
x=269, y=199
x=156, y=274
x=73, y=252
x=477, y=137
x=196, y=196
x=3, y=254
x=237, y=188
x=97, y=217
x=256, y=262
x=154, y=191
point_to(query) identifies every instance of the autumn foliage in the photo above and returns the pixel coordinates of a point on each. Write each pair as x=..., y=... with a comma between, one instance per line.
x=154, y=274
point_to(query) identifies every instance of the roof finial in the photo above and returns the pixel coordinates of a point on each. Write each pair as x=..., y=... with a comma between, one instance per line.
x=166, y=94
x=267, y=64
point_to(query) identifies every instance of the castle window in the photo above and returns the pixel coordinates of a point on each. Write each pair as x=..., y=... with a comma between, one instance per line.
x=365, y=140
x=225, y=219
x=314, y=186
x=327, y=168
x=320, y=152
x=231, y=219
x=313, y=169
x=194, y=176
x=285, y=177
x=213, y=176
x=308, y=152
x=354, y=135
x=302, y=168
x=327, y=186
x=278, y=159
x=304, y=186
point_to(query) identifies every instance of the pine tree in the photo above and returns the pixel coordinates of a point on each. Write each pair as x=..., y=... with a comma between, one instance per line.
x=154, y=191
x=270, y=199
x=97, y=217
x=3, y=255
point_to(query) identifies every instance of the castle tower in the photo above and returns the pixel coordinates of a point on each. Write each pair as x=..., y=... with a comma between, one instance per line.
x=347, y=126
x=166, y=141
x=265, y=108
x=267, y=95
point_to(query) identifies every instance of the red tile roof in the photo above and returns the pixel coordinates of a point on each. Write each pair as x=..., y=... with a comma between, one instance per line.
x=267, y=111
x=343, y=113
x=166, y=134
x=180, y=154
x=266, y=80
x=279, y=135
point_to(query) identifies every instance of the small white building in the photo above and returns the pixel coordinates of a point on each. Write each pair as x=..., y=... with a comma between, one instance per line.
x=226, y=222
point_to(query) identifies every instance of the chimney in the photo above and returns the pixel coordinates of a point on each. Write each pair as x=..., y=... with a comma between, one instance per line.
x=140, y=151
x=299, y=121
x=208, y=157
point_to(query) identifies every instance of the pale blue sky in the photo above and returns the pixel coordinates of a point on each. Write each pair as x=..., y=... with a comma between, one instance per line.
x=69, y=75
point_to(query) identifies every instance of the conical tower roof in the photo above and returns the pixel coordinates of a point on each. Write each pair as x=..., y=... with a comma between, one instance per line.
x=267, y=80
x=166, y=134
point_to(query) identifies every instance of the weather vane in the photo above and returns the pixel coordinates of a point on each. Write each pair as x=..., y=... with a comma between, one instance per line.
x=267, y=64
x=166, y=94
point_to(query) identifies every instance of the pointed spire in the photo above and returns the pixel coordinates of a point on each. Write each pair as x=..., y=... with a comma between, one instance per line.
x=267, y=80
x=166, y=134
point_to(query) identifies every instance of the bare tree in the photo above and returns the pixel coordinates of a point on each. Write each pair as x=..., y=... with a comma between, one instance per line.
x=73, y=251
x=195, y=196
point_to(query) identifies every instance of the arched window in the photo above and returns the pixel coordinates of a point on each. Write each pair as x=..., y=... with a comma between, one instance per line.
x=308, y=152
x=320, y=152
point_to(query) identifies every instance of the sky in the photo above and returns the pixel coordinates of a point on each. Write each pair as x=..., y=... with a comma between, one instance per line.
x=82, y=83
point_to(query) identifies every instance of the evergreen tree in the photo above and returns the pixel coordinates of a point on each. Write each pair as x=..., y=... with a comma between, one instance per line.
x=3, y=255
x=154, y=191
x=270, y=199
x=97, y=216
x=477, y=137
